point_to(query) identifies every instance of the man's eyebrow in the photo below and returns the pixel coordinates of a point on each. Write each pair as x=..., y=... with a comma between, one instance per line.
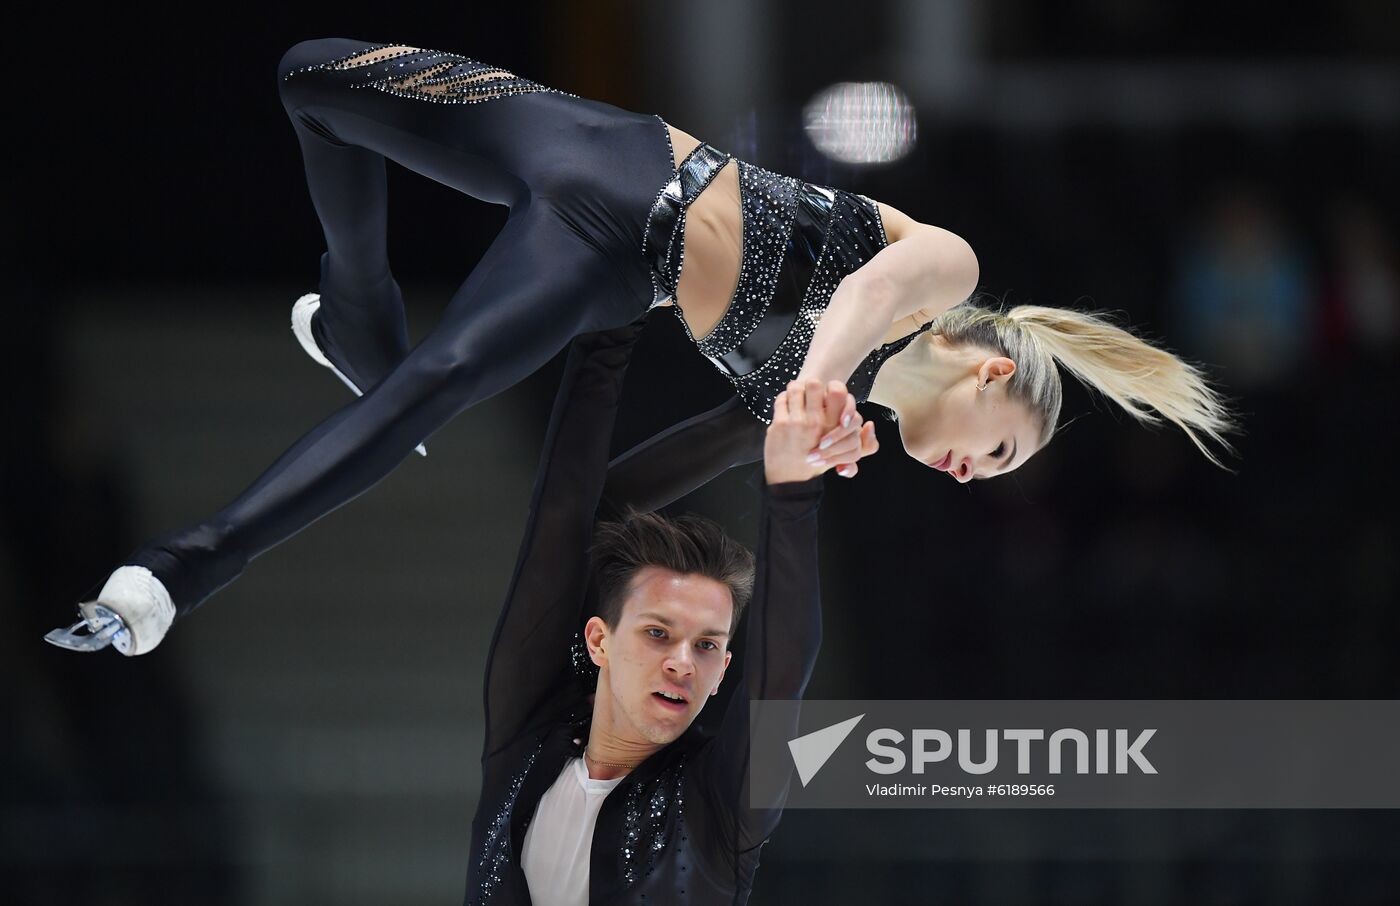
x=668, y=623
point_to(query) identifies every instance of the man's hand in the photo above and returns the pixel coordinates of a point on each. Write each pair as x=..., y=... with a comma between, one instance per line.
x=805, y=415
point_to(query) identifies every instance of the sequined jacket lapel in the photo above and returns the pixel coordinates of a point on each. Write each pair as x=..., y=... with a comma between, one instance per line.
x=642, y=844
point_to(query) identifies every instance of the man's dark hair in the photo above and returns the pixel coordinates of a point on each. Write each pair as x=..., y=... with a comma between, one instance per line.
x=683, y=544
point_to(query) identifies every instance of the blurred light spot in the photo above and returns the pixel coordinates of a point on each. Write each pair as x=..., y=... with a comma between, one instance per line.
x=861, y=122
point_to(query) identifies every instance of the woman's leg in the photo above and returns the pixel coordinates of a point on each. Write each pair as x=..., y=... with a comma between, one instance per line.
x=537, y=287
x=361, y=325
x=578, y=176
x=466, y=124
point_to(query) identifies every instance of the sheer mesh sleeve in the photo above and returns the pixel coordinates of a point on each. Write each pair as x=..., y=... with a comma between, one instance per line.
x=528, y=663
x=669, y=465
x=783, y=630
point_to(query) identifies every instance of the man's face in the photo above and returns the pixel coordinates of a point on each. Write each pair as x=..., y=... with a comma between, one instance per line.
x=667, y=654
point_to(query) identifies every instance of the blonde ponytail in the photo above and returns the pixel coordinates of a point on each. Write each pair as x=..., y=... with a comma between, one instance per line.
x=1149, y=383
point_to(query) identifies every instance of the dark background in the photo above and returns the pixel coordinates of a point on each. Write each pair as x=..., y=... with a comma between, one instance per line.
x=1221, y=175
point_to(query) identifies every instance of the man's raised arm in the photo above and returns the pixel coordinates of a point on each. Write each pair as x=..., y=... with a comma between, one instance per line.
x=783, y=622
x=528, y=659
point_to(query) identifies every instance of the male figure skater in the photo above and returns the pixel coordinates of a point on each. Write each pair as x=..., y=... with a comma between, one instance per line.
x=603, y=789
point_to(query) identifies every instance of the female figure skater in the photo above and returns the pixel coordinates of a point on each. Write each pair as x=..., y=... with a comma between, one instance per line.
x=611, y=214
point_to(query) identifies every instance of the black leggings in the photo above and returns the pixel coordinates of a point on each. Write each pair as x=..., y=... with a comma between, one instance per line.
x=579, y=177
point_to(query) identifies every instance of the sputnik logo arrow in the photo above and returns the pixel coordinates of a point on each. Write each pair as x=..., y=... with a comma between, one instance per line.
x=810, y=752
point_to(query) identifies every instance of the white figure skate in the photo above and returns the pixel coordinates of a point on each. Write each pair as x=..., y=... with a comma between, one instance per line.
x=132, y=614
x=302, y=310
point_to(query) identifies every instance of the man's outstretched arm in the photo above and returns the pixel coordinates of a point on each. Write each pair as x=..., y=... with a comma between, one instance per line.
x=783, y=622
x=528, y=660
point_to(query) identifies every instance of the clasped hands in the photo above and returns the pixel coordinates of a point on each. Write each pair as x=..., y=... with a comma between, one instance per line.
x=815, y=427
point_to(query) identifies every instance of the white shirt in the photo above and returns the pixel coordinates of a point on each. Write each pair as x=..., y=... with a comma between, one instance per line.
x=559, y=841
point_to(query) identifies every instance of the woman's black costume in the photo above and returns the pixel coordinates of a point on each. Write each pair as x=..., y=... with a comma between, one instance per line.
x=594, y=239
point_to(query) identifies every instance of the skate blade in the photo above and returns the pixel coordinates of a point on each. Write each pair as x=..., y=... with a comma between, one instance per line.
x=105, y=628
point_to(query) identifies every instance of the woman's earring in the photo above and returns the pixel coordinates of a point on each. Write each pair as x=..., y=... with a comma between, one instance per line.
x=981, y=387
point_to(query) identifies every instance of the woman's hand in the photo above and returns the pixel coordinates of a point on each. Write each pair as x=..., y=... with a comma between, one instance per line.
x=851, y=439
x=805, y=414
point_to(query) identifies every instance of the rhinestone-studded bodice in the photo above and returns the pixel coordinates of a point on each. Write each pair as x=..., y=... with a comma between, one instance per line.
x=430, y=75
x=799, y=241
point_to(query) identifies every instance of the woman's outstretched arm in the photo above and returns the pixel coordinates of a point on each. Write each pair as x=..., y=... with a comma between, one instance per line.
x=921, y=275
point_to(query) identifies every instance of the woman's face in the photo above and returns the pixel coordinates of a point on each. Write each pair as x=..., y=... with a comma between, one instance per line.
x=971, y=433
